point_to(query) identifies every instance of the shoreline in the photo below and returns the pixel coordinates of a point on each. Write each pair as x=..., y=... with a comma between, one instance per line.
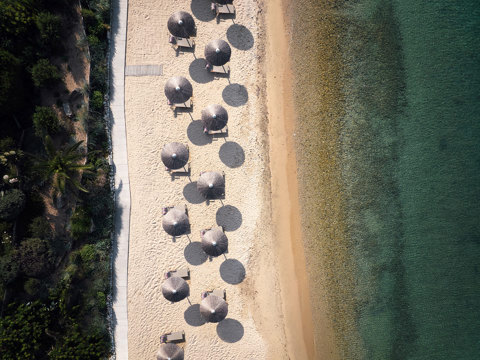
x=285, y=196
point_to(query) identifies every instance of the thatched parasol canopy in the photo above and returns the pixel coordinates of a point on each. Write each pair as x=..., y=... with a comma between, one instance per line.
x=170, y=351
x=214, y=242
x=175, y=155
x=175, y=289
x=213, y=308
x=178, y=89
x=175, y=222
x=214, y=117
x=181, y=24
x=211, y=185
x=218, y=52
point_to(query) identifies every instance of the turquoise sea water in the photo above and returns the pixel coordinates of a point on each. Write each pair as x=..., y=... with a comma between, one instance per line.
x=410, y=157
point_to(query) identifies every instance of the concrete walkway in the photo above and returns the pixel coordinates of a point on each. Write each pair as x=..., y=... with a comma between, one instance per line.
x=122, y=188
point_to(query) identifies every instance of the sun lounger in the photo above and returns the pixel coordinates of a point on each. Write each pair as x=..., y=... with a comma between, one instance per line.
x=187, y=104
x=184, y=42
x=223, y=69
x=218, y=292
x=183, y=273
x=223, y=132
x=178, y=336
x=225, y=9
x=181, y=42
x=185, y=170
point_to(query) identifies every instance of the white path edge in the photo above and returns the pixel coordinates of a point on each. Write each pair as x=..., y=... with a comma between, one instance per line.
x=122, y=187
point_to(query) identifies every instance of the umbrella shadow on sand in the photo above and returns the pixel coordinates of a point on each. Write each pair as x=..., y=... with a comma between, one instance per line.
x=198, y=73
x=201, y=10
x=194, y=253
x=196, y=135
x=193, y=317
x=230, y=330
x=232, y=271
x=235, y=95
x=232, y=154
x=229, y=217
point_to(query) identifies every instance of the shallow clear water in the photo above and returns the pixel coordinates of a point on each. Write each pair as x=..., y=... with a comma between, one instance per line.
x=410, y=158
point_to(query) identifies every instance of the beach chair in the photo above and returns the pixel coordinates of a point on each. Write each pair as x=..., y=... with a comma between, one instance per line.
x=223, y=69
x=173, y=337
x=186, y=105
x=165, y=209
x=218, y=292
x=183, y=273
x=219, y=133
x=182, y=171
x=181, y=42
x=224, y=9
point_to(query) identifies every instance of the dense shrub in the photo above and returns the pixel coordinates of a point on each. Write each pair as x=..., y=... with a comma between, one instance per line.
x=40, y=228
x=49, y=26
x=76, y=345
x=45, y=74
x=35, y=257
x=11, y=204
x=45, y=121
x=23, y=332
x=96, y=101
x=9, y=269
x=33, y=286
x=9, y=73
x=80, y=223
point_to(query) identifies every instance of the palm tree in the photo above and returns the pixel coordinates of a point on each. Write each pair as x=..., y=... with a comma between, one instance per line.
x=63, y=165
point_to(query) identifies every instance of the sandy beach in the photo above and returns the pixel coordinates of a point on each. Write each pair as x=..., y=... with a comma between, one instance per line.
x=256, y=322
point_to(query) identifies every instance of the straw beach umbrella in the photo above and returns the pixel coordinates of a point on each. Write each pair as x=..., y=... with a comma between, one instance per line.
x=175, y=222
x=214, y=242
x=181, y=24
x=211, y=184
x=178, y=89
x=174, y=155
x=175, y=289
x=218, y=52
x=170, y=351
x=214, y=117
x=213, y=308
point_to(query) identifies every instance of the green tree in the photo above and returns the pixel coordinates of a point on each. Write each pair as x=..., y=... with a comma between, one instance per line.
x=12, y=203
x=9, y=269
x=49, y=26
x=45, y=74
x=80, y=223
x=23, y=332
x=63, y=165
x=45, y=121
x=9, y=74
x=35, y=257
x=39, y=227
x=96, y=101
x=15, y=16
x=76, y=345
